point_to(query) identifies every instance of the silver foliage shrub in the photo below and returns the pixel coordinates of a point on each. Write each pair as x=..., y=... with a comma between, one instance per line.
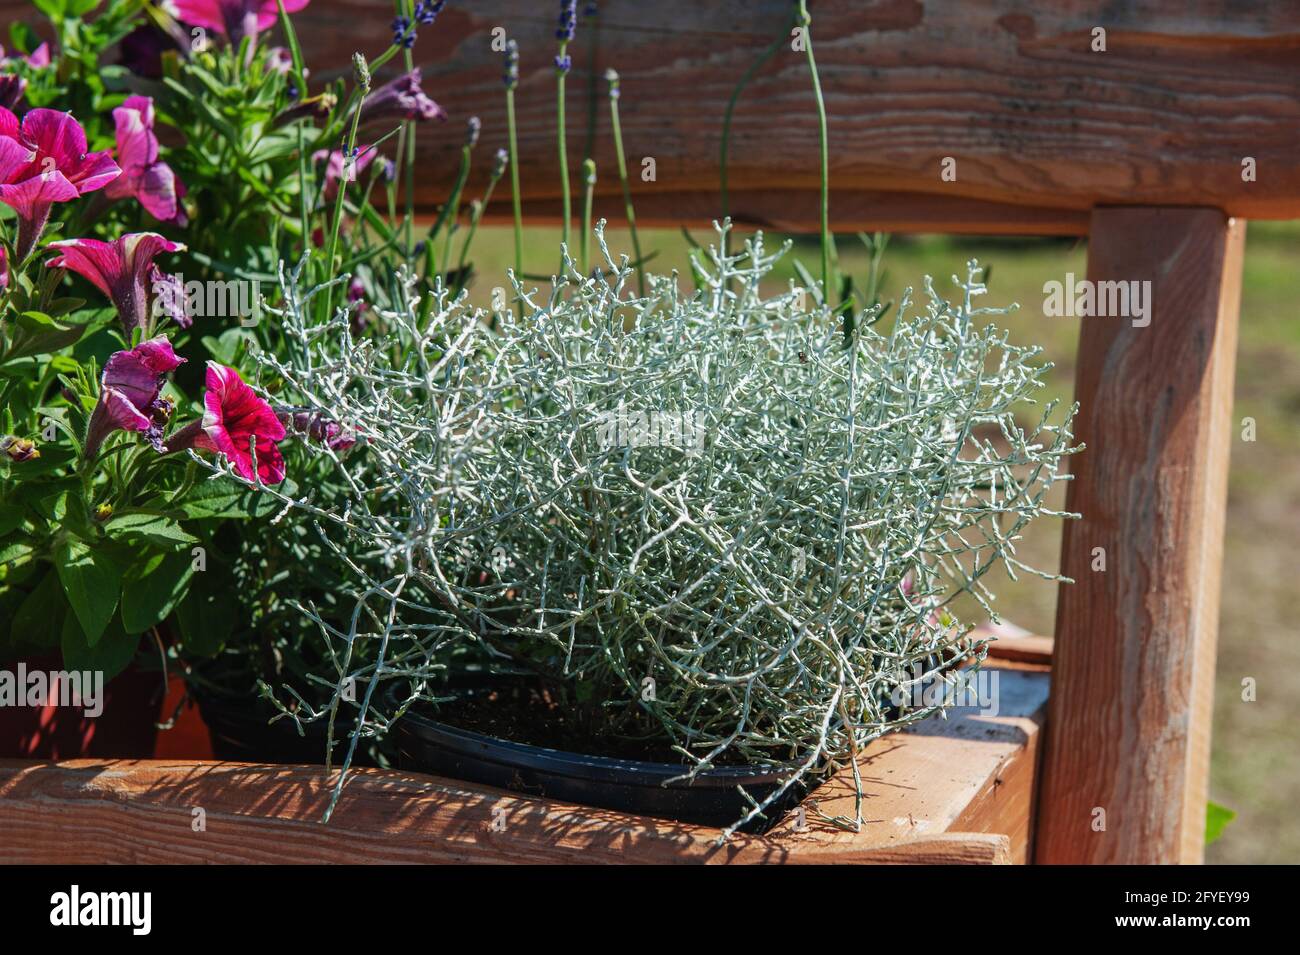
x=711, y=515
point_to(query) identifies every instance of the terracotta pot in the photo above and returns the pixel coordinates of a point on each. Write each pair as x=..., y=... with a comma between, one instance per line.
x=125, y=728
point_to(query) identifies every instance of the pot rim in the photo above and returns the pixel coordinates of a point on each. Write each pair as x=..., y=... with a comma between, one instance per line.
x=580, y=765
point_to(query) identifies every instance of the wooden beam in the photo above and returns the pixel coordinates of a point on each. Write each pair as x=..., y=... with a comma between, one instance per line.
x=949, y=791
x=1042, y=126
x=1133, y=668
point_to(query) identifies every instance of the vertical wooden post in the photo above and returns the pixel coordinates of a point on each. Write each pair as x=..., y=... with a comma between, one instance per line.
x=1128, y=731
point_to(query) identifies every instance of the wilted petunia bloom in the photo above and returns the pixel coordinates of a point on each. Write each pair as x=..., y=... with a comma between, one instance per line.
x=169, y=297
x=400, y=99
x=120, y=269
x=317, y=427
x=12, y=87
x=316, y=108
x=44, y=161
x=129, y=392
x=144, y=176
x=234, y=422
x=18, y=449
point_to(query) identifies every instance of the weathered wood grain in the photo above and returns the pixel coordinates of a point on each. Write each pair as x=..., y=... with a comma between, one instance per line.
x=954, y=792
x=1133, y=668
x=1042, y=127
x=968, y=773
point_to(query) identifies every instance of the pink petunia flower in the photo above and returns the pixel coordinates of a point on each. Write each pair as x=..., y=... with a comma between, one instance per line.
x=234, y=423
x=42, y=162
x=4, y=269
x=400, y=99
x=129, y=392
x=120, y=269
x=144, y=176
x=336, y=170
x=233, y=18
x=39, y=58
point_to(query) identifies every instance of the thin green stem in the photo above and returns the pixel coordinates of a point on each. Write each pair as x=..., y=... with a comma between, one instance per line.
x=473, y=229
x=561, y=136
x=589, y=182
x=404, y=8
x=514, y=186
x=622, y=175
x=453, y=203
x=349, y=165
x=725, y=146
x=806, y=21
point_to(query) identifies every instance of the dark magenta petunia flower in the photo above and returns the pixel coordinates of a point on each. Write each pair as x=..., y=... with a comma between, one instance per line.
x=400, y=99
x=44, y=161
x=142, y=49
x=233, y=18
x=235, y=421
x=144, y=176
x=129, y=392
x=120, y=269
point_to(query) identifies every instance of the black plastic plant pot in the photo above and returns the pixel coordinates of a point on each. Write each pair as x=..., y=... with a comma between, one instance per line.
x=241, y=731
x=640, y=788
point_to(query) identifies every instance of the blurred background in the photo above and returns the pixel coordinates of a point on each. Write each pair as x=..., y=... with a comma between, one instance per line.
x=1254, y=770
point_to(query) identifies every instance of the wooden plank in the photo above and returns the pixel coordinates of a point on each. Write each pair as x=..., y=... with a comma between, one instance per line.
x=1028, y=649
x=1042, y=127
x=968, y=773
x=1133, y=669
x=935, y=796
x=89, y=812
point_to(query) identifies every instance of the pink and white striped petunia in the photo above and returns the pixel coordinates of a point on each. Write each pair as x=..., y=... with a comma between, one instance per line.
x=44, y=160
x=129, y=392
x=235, y=422
x=120, y=269
x=144, y=176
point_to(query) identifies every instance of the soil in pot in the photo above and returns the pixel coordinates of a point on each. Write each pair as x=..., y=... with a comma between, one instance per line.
x=516, y=736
